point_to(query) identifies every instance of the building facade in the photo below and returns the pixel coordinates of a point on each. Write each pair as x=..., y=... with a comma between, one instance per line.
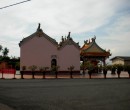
x=124, y=60
x=43, y=51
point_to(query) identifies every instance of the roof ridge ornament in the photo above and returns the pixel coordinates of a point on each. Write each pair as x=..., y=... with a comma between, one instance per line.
x=93, y=39
x=39, y=26
x=68, y=35
x=89, y=41
x=85, y=41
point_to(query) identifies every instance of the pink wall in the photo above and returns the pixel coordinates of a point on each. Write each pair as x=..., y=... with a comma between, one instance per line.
x=37, y=51
x=68, y=56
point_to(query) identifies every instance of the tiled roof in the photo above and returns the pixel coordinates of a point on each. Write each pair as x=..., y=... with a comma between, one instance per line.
x=68, y=41
x=85, y=50
x=126, y=58
x=39, y=33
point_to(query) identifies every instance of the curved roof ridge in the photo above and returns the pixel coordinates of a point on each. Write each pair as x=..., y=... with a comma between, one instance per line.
x=39, y=32
x=68, y=41
x=27, y=38
x=87, y=45
x=94, y=42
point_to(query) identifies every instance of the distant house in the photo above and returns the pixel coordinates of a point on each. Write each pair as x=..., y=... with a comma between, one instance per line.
x=43, y=51
x=124, y=60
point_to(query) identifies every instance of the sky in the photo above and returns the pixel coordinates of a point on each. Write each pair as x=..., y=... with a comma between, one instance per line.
x=108, y=20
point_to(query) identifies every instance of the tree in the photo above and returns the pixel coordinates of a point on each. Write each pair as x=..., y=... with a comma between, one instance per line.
x=1, y=48
x=5, y=52
x=43, y=70
x=127, y=68
x=71, y=68
x=33, y=68
x=23, y=69
x=84, y=67
x=113, y=69
x=55, y=70
x=90, y=68
x=105, y=69
x=119, y=69
x=14, y=62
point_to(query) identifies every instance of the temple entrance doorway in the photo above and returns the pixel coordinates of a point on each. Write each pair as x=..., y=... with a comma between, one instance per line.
x=53, y=62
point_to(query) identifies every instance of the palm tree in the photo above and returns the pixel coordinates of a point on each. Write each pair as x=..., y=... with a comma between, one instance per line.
x=43, y=70
x=71, y=68
x=5, y=52
x=33, y=68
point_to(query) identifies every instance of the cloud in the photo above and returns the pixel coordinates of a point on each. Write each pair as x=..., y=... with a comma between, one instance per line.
x=84, y=18
x=117, y=37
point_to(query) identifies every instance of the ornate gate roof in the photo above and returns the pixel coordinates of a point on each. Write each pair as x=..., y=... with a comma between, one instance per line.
x=91, y=48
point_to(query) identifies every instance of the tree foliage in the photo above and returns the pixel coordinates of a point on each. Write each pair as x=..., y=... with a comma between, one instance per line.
x=5, y=52
x=12, y=62
x=32, y=68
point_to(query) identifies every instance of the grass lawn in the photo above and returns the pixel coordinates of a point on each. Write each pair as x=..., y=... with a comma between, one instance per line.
x=65, y=94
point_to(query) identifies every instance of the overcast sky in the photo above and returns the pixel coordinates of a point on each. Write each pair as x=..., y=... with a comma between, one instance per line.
x=108, y=20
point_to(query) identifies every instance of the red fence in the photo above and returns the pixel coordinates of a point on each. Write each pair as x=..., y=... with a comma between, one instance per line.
x=7, y=71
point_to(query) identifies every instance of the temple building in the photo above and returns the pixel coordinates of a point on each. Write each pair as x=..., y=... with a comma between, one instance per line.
x=90, y=51
x=43, y=51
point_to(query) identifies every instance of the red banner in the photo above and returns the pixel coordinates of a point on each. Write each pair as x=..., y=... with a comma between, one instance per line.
x=8, y=71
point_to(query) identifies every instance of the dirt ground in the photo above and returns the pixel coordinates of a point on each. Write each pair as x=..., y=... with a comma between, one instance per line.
x=65, y=94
